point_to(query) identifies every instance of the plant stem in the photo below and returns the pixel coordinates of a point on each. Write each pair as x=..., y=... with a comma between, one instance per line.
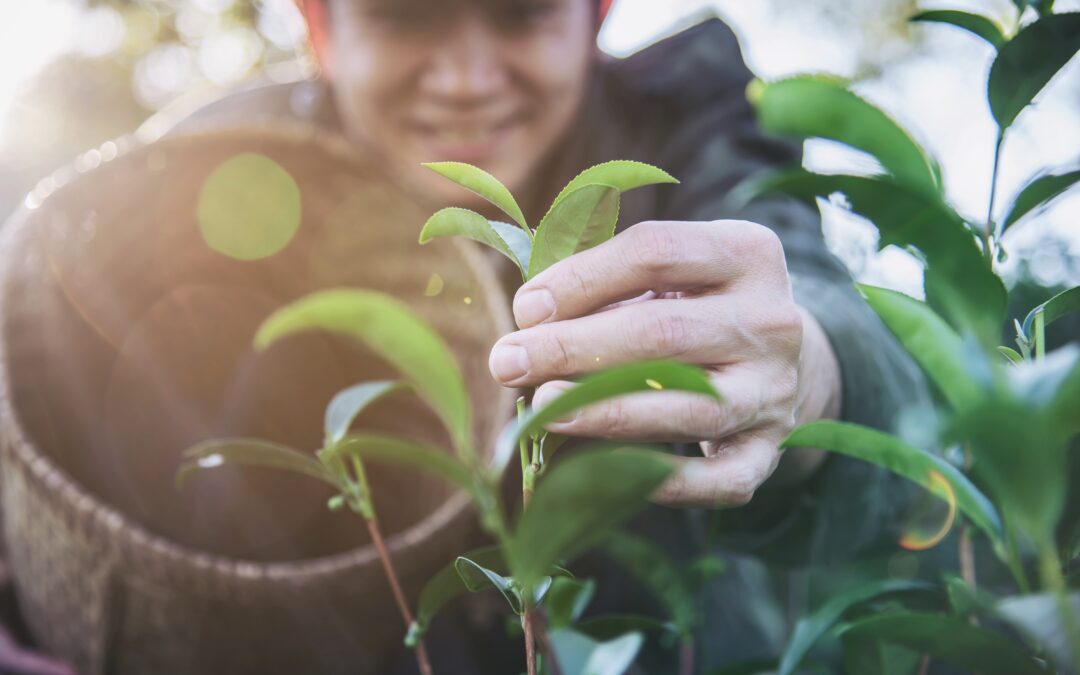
x=399, y=596
x=551, y=664
x=967, y=564
x=989, y=232
x=1052, y=579
x=367, y=509
x=1040, y=336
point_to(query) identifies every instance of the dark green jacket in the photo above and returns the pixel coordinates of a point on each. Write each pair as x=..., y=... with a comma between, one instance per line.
x=681, y=105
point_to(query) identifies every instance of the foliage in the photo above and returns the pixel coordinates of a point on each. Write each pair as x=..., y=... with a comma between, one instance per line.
x=1012, y=412
x=565, y=512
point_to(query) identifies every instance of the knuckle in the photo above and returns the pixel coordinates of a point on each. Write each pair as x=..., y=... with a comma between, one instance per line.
x=613, y=418
x=702, y=416
x=780, y=321
x=557, y=358
x=656, y=248
x=667, y=334
x=744, y=483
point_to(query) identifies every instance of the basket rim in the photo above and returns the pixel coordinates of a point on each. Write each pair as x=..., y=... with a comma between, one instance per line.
x=125, y=531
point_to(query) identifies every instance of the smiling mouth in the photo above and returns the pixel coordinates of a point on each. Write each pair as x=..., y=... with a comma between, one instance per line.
x=466, y=142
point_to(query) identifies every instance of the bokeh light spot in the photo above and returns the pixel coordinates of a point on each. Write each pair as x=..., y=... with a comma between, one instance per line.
x=654, y=384
x=467, y=300
x=249, y=207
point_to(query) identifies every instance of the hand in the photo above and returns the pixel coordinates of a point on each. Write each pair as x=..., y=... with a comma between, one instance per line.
x=714, y=294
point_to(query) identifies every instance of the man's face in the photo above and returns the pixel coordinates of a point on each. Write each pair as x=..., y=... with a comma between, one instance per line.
x=495, y=83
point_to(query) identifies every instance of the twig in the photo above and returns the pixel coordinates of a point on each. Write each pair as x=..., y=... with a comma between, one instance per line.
x=403, y=606
x=540, y=626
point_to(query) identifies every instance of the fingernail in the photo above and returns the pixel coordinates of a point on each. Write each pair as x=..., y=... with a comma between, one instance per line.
x=549, y=393
x=533, y=307
x=508, y=362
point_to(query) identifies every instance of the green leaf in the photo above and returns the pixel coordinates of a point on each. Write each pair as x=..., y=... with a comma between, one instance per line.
x=966, y=599
x=567, y=600
x=580, y=220
x=445, y=586
x=973, y=23
x=476, y=577
x=934, y=346
x=959, y=284
x=507, y=239
x=750, y=667
x=571, y=509
x=482, y=183
x=950, y=639
x=1038, y=619
x=816, y=107
x=620, y=174
x=251, y=452
x=396, y=334
x=618, y=381
x=348, y=403
x=813, y=627
x=658, y=574
x=1037, y=194
x=1062, y=304
x=893, y=454
x=611, y=626
x=1025, y=64
x=872, y=657
x=582, y=655
x=402, y=451
x=1011, y=354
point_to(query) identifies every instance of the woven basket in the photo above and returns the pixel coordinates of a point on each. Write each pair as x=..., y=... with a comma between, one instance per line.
x=125, y=339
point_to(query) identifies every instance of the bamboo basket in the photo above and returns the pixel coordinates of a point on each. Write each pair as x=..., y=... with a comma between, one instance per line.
x=124, y=338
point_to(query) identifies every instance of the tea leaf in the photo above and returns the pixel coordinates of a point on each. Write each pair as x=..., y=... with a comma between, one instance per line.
x=567, y=601
x=893, y=454
x=1038, y=619
x=251, y=452
x=482, y=183
x=966, y=599
x=933, y=345
x=476, y=578
x=1012, y=355
x=571, y=509
x=347, y=404
x=753, y=667
x=1062, y=304
x=396, y=334
x=401, y=451
x=815, y=107
x=445, y=586
x=950, y=639
x=959, y=285
x=867, y=656
x=1025, y=64
x=511, y=241
x=814, y=626
x=656, y=572
x=620, y=174
x=580, y=220
x=1037, y=193
x=669, y=375
x=579, y=654
x=973, y=23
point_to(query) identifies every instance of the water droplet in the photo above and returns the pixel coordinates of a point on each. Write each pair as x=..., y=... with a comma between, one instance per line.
x=435, y=286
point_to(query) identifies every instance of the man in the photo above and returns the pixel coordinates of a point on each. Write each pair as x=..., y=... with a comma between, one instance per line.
x=518, y=88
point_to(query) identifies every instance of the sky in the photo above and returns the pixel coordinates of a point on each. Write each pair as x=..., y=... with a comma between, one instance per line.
x=931, y=81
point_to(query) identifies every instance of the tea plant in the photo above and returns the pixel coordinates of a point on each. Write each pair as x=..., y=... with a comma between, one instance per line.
x=565, y=509
x=1011, y=412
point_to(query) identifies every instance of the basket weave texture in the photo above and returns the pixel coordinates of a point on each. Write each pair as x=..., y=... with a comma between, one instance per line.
x=124, y=339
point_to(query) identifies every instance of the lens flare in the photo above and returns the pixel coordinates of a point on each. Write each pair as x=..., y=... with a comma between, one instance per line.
x=249, y=207
x=927, y=526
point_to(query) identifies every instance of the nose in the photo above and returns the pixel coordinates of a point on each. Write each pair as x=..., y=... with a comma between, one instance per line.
x=466, y=66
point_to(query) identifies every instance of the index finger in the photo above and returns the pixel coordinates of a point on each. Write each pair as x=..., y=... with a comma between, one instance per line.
x=724, y=480
x=650, y=256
